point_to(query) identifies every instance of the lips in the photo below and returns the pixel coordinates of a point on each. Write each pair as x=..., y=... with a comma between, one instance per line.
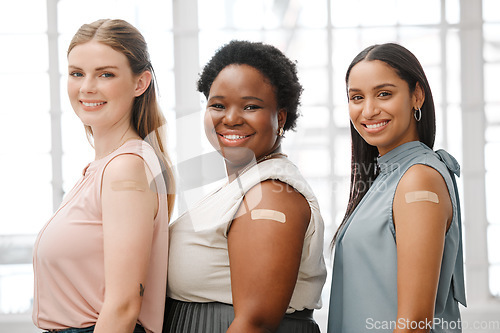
x=233, y=139
x=376, y=125
x=92, y=105
x=234, y=136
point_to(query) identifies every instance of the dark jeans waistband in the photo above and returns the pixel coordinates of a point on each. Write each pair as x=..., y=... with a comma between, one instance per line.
x=138, y=329
x=73, y=330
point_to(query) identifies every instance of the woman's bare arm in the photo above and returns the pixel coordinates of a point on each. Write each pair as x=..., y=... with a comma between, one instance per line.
x=264, y=255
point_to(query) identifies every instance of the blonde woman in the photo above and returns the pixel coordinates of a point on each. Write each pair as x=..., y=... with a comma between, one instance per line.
x=101, y=261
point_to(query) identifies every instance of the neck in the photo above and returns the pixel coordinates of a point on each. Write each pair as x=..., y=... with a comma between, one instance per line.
x=233, y=171
x=106, y=142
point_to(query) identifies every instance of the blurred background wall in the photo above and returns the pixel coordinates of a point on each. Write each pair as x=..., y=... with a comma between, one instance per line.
x=44, y=145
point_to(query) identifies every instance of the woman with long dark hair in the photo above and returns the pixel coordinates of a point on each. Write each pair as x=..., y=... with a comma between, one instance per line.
x=398, y=252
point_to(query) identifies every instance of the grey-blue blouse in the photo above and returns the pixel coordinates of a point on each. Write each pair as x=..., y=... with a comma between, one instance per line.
x=364, y=282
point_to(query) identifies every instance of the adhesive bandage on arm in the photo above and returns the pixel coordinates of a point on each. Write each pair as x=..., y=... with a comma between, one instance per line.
x=421, y=196
x=127, y=185
x=268, y=214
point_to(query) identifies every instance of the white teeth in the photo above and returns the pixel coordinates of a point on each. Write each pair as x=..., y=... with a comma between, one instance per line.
x=92, y=104
x=376, y=125
x=234, y=137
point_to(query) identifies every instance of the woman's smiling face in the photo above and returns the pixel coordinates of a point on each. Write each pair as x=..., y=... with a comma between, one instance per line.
x=101, y=85
x=242, y=117
x=381, y=105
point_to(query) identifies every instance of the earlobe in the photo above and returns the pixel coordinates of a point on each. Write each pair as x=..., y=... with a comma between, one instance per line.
x=281, y=118
x=143, y=82
x=419, y=96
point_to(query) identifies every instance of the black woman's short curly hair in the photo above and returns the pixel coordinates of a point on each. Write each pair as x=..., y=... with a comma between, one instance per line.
x=267, y=59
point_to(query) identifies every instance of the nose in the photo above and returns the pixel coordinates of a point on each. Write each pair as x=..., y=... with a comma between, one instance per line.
x=370, y=108
x=232, y=117
x=88, y=85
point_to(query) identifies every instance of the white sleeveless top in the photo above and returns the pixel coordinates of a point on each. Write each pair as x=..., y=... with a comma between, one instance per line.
x=198, y=266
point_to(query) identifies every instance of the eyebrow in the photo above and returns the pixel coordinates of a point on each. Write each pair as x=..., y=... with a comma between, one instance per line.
x=380, y=86
x=97, y=69
x=244, y=97
x=252, y=97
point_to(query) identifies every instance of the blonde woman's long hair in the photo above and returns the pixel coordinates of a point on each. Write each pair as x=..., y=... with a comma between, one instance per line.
x=147, y=118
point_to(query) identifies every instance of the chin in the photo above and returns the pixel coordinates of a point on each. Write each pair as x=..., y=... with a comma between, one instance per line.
x=237, y=156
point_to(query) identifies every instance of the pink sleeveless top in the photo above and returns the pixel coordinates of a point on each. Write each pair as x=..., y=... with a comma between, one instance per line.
x=68, y=258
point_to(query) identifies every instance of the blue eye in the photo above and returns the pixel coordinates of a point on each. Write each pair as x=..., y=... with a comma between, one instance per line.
x=107, y=75
x=76, y=74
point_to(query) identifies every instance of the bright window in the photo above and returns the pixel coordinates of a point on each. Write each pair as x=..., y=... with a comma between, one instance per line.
x=322, y=36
